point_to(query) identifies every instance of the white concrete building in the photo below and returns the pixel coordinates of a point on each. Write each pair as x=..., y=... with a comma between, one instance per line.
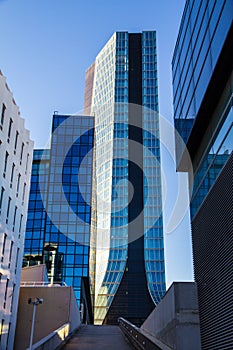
x=15, y=173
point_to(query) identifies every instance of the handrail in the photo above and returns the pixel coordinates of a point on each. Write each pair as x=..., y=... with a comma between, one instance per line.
x=42, y=284
x=139, y=339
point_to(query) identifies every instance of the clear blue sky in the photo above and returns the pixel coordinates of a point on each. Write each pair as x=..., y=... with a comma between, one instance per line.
x=46, y=46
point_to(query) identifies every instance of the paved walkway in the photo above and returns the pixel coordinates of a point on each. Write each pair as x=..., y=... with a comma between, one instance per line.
x=98, y=338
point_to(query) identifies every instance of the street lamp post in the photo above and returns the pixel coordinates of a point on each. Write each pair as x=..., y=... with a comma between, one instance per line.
x=36, y=302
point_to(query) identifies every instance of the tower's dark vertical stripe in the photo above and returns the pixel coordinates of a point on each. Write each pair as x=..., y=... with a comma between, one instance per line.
x=133, y=300
x=135, y=131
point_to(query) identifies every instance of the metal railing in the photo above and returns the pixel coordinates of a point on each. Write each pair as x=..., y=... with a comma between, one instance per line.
x=139, y=339
x=42, y=284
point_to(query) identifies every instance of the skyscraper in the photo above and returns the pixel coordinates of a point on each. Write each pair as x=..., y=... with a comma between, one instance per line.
x=127, y=264
x=15, y=169
x=59, y=212
x=203, y=98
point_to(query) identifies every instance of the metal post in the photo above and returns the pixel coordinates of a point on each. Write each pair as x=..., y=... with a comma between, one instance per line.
x=33, y=324
x=53, y=266
x=36, y=302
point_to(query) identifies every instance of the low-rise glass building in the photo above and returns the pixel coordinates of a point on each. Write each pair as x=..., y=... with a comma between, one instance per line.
x=59, y=212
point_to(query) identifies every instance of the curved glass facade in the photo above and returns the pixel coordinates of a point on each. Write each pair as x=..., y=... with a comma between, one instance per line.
x=110, y=86
x=114, y=87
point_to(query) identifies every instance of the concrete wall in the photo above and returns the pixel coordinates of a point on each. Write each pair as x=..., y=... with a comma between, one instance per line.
x=175, y=320
x=59, y=307
x=37, y=273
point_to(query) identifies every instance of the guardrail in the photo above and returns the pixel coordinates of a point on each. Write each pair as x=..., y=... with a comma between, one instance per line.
x=139, y=339
x=42, y=284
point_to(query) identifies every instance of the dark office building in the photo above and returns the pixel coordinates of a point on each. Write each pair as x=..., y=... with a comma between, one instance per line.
x=203, y=95
x=58, y=226
x=128, y=276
